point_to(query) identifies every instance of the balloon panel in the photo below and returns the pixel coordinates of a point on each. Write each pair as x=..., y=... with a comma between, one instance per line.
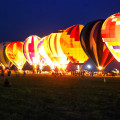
x=14, y=52
x=111, y=34
x=71, y=46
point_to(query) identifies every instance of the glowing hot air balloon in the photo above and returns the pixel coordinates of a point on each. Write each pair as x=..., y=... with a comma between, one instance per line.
x=43, y=55
x=71, y=46
x=111, y=34
x=30, y=50
x=53, y=49
x=93, y=45
x=14, y=52
x=3, y=58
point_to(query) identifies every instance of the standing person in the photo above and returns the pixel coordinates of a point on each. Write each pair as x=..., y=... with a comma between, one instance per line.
x=2, y=73
x=33, y=71
x=83, y=73
x=56, y=69
x=24, y=73
x=92, y=73
x=9, y=73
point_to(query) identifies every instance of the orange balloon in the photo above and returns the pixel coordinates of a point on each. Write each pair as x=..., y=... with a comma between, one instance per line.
x=14, y=52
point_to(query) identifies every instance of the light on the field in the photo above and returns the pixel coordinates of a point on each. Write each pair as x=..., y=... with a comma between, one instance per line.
x=100, y=68
x=89, y=66
x=117, y=71
x=78, y=67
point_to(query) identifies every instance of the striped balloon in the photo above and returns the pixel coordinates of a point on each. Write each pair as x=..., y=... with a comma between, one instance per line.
x=93, y=45
x=53, y=48
x=14, y=52
x=71, y=46
x=3, y=58
x=44, y=57
x=30, y=50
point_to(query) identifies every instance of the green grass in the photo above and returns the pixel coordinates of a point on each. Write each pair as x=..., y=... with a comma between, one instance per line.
x=44, y=97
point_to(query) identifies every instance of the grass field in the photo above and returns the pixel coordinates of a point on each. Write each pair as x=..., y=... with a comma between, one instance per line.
x=44, y=97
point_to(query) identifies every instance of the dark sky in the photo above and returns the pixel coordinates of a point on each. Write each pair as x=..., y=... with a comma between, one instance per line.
x=21, y=18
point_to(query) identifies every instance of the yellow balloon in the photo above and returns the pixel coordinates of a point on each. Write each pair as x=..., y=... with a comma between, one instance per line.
x=71, y=46
x=53, y=49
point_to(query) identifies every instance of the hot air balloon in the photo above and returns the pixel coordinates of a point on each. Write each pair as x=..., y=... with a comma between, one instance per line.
x=71, y=46
x=3, y=58
x=53, y=49
x=30, y=50
x=43, y=55
x=110, y=32
x=14, y=52
x=93, y=45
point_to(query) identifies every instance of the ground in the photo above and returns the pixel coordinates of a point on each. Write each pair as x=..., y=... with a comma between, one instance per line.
x=45, y=97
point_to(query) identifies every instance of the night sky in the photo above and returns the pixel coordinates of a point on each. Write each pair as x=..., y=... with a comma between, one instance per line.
x=22, y=18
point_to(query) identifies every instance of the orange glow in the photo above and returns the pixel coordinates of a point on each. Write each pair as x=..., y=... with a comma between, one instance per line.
x=100, y=68
x=14, y=52
x=3, y=67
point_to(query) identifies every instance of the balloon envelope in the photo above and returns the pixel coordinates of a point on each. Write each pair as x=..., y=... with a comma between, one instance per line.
x=93, y=45
x=14, y=52
x=44, y=57
x=71, y=46
x=53, y=49
x=3, y=58
x=111, y=34
x=30, y=50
